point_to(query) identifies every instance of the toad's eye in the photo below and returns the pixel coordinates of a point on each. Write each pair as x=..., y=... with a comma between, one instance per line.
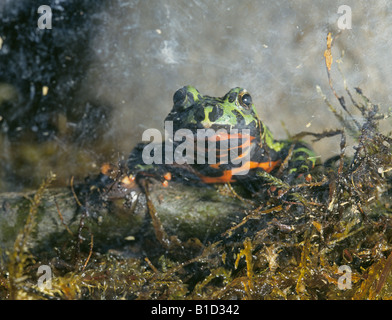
x=179, y=97
x=245, y=100
x=185, y=97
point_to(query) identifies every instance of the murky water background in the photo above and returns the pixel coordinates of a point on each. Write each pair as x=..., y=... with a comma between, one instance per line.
x=110, y=69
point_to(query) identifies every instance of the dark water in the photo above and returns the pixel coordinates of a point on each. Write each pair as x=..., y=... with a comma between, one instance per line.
x=83, y=92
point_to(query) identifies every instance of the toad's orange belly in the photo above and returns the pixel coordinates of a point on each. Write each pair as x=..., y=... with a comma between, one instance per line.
x=227, y=175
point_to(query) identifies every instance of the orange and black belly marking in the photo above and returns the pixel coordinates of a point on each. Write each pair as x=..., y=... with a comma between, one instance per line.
x=227, y=173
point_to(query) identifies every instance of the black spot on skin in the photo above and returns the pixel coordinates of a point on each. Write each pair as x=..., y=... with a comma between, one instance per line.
x=215, y=114
x=190, y=98
x=254, y=129
x=240, y=119
x=199, y=115
x=232, y=97
x=252, y=125
x=179, y=97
